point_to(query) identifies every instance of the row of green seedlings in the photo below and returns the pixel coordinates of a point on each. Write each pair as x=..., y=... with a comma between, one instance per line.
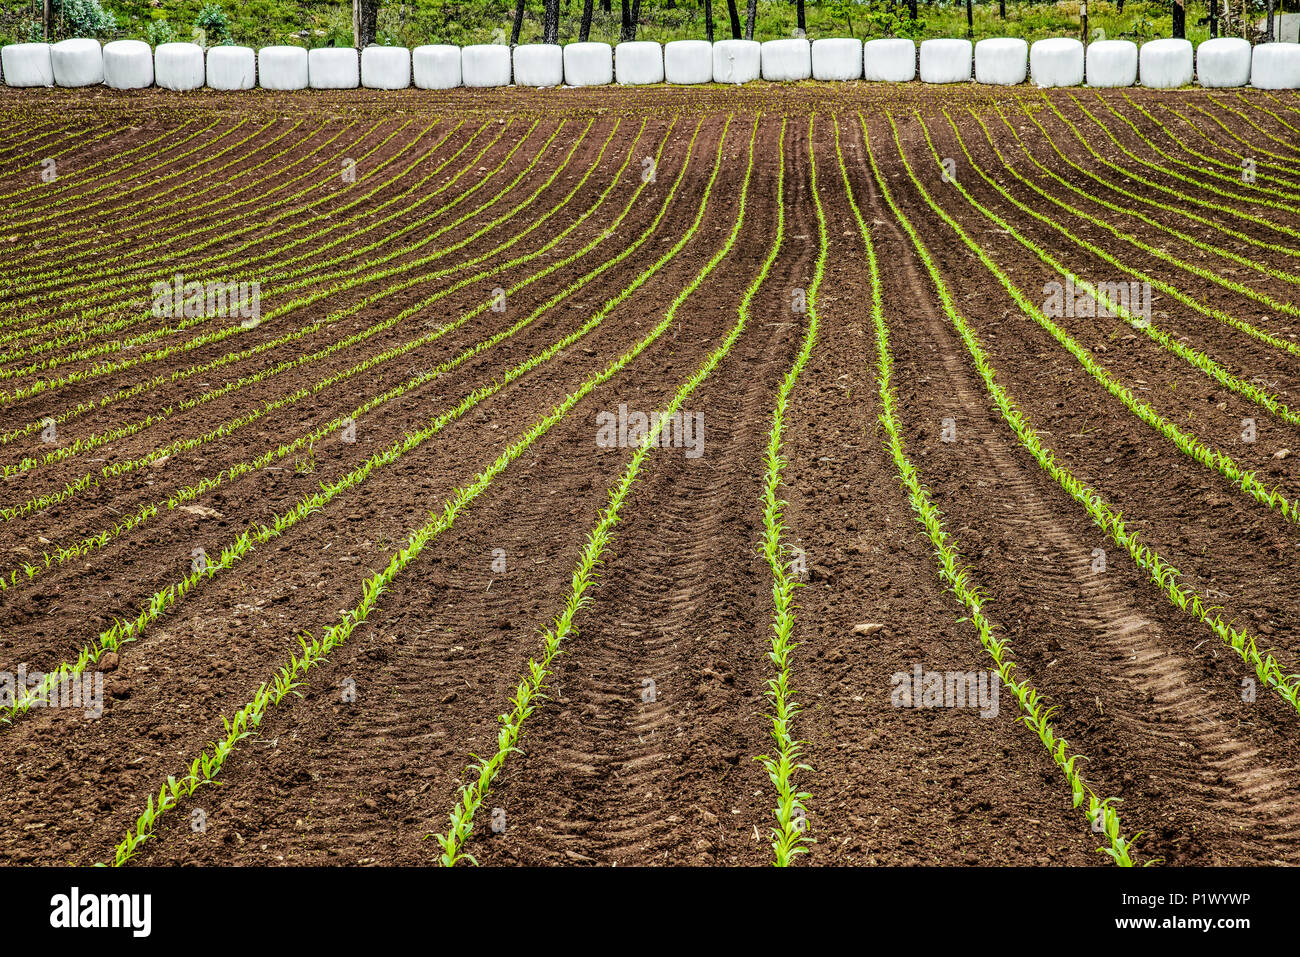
x=790, y=837
x=1185, y=442
x=1239, y=158
x=111, y=295
x=191, y=493
x=1209, y=166
x=1164, y=575
x=164, y=265
x=1287, y=162
x=1260, y=106
x=89, y=480
x=80, y=207
x=1205, y=203
x=309, y=299
x=111, y=277
x=226, y=332
x=96, y=273
x=149, y=384
x=529, y=691
x=1208, y=222
x=313, y=651
x=24, y=129
x=1194, y=357
x=27, y=139
x=1218, y=189
x=1036, y=715
x=114, y=169
x=42, y=227
x=103, y=265
x=73, y=488
x=189, y=322
x=49, y=230
x=124, y=632
x=1200, y=272
x=84, y=444
x=78, y=141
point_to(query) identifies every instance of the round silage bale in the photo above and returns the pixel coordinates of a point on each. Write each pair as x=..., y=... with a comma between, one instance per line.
x=27, y=65
x=639, y=62
x=588, y=64
x=282, y=68
x=128, y=65
x=688, y=61
x=178, y=66
x=232, y=68
x=945, y=61
x=1002, y=61
x=539, y=64
x=889, y=60
x=436, y=66
x=333, y=68
x=485, y=65
x=385, y=68
x=737, y=61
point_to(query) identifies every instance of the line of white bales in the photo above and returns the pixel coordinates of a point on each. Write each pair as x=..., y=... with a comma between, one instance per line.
x=1159, y=64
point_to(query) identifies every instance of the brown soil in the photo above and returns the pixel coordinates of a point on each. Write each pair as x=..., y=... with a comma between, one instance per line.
x=1149, y=695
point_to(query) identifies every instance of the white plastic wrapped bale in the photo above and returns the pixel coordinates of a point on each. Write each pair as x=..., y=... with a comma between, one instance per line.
x=79, y=62
x=232, y=68
x=639, y=62
x=333, y=68
x=27, y=64
x=1056, y=62
x=282, y=68
x=1165, y=64
x=178, y=66
x=786, y=60
x=1275, y=66
x=837, y=58
x=588, y=64
x=1112, y=63
x=945, y=61
x=385, y=68
x=1223, y=61
x=485, y=64
x=737, y=61
x=539, y=64
x=688, y=61
x=891, y=60
x=436, y=66
x=1001, y=61
x=128, y=65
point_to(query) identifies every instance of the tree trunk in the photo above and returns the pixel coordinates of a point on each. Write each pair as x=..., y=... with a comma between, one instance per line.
x=605, y=6
x=628, y=29
x=799, y=17
x=1119, y=7
x=1268, y=32
x=584, y=31
x=1002, y=8
x=708, y=20
x=551, y=22
x=751, y=14
x=970, y=21
x=365, y=14
x=1214, y=18
x=911, y=9
x=1180, y=20
x=734, y=14
x=518, y=24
